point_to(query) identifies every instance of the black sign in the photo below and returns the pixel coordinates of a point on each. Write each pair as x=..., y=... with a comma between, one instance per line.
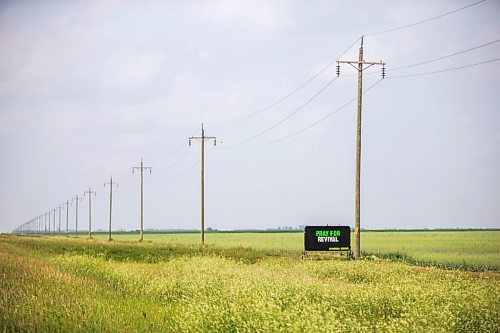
x=327, y=238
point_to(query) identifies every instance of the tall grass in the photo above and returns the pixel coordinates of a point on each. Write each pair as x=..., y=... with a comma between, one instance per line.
x=90, y=286
x=474, y=250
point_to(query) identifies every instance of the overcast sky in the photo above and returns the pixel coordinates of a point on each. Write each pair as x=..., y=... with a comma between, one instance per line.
x=87, y=88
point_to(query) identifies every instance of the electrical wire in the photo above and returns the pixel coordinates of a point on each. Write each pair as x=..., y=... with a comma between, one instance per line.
x=250, y=115
x=172, y=152
x=444, y=70
x=192, y=165
x=288, y=115
x=391, y=69
x=178, y=158
x=173, y=163
x=312, y=124
x=334, y=61
x=443, y=57
x=426, y=20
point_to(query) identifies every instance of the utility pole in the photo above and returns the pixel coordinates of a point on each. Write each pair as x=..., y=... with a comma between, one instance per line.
x=111, y=202
x=90, y=192
x=77, y=199
x=142, y=168
x=54, y=218
x=59, y=208
x=48, y=222
x=202, y=139
x=67, y=203
x=360, y=68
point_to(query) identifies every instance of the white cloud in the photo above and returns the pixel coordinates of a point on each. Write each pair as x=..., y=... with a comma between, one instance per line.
x=260, y=15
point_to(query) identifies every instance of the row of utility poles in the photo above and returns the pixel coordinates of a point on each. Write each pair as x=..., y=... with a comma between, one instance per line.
x=40, y=225
x=360, y=65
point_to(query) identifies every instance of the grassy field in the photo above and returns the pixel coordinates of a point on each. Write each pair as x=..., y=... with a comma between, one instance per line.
x=469, y=249
x=75, y=285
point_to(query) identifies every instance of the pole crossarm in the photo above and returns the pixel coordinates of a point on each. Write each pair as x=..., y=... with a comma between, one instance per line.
x=361, y=62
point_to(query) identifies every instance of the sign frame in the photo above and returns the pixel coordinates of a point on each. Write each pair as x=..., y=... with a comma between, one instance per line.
x=327, y=238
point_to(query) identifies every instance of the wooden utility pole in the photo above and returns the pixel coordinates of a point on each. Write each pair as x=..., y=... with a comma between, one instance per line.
x=142, y=168
x=67, y=203
x=54, y=218
x=90, y=192
x=59, y=208
x=110, y=202
x=360, y=67
x=202, y=139
x=77, y=199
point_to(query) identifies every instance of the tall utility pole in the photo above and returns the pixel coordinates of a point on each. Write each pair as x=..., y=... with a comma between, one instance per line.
x=67, y=203
x=360, y=68
x=142, y=168
x=77, y=199
x=54, y=218
x=48, y=222
x=90, y=192
x=202, y=139
x=59, y=208
x=110, y=202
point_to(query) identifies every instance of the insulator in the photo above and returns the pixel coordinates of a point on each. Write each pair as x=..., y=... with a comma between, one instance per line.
x=215, y=142
x=383, y=72
x=338, y=70
x=189, y=142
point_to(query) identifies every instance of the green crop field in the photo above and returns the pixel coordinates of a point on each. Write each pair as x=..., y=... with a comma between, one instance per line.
x=470, y=249
x=243, y=284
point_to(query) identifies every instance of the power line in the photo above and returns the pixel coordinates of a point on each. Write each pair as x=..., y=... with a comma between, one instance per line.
x=175, y=150
x=287, y=116
x=192, y=165
x=390, y=69
x=312, y=124
x=173, y=163
x=444, y=70
x=345, y=51
x=425, y=21
x=250, y=115
x=178, y=158
x=354, y=99
x=443, y=57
